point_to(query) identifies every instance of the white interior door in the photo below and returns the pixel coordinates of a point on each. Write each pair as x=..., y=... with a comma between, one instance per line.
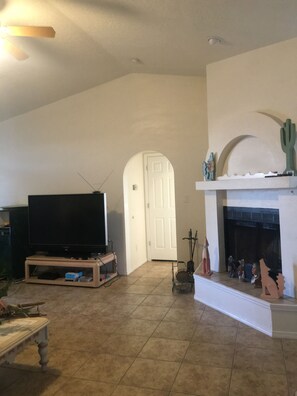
x=160, y=208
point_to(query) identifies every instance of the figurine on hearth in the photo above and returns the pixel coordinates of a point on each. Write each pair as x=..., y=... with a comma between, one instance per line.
x=271, y=288
x=205, y=263
x=232, y=267
x=240, y=270
x=256, y=278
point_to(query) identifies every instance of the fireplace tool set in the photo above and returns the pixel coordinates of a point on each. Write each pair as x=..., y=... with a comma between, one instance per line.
x=182, y=273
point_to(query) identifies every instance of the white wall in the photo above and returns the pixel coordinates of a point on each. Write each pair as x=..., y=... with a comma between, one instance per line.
x=135, y=226
x=96, y=132
x=239, y=90
x=263, y=80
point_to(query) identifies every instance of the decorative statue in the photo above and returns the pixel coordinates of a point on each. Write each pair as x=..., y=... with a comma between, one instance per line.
x=256, y=276
x=209, y=168
x=288, y=137
x=270, y=287
x=240, y=270
x=232, y=267
x=205, y=263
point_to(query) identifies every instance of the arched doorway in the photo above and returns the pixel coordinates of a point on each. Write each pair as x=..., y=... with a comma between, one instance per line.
x=149, y=203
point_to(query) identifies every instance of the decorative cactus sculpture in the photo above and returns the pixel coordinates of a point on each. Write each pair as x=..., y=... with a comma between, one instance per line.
x=288, y=137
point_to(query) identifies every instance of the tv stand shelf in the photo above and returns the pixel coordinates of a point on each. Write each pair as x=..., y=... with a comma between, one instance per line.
x=101, y=269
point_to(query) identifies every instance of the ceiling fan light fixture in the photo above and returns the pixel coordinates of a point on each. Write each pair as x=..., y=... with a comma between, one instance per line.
x=3, y=31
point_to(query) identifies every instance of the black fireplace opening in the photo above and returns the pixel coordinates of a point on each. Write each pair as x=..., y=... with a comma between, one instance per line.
x=252, y=234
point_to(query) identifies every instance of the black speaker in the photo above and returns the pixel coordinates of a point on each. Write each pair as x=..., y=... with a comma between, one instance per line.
x=14, y=247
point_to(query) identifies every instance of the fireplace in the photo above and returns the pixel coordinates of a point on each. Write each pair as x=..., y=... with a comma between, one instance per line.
x=252, y=234
x=275, y=199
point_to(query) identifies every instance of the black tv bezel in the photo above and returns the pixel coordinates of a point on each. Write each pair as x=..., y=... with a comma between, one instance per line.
x=63, y=249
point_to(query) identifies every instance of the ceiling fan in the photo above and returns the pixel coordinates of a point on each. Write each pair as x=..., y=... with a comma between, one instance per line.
x=22, y=31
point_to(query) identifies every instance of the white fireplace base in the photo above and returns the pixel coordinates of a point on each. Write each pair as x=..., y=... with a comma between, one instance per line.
x=276, y=318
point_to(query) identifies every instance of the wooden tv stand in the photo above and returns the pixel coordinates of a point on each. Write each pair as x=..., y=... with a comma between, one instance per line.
x=100, y=269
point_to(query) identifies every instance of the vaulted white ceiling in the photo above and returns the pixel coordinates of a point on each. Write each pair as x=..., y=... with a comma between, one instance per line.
x=96, y=41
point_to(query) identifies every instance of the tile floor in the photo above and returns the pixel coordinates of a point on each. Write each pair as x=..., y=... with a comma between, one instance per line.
x=136, y=338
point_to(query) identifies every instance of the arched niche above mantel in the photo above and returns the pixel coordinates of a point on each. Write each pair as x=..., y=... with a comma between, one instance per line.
x=248, y=143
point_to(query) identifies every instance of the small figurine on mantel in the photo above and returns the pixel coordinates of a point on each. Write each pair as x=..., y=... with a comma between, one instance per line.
x=205, y=263
x=209, y=168
x=270, y=287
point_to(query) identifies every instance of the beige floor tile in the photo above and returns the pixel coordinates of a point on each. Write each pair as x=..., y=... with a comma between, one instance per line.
x=118, y=311
x=66, y=362
x=247, y=336
x=91, y=341
x=210, y=354
x=139, y=272
x=164, y=349
x=153, y=281
x=83, y=387
x=124, y=345
x=35, y=384
x=151, y=374
x=140, y=289
x=184, y=314
x=105, y=368
x=215, y=334
x=119, y=288
x=247, y=383
x=175, y=330
x=259, y=359
x=202, y=381
x=141, y=327
x=127, y=280
x=8, y=376
x=123, y=390
x=215, y=318
x=186, y=300
x=107, y=325
x=125, y=298
x=149, y=312
x=86, y=308
x=158, y=301
x=289, y=345
x=290, y=357
x=292, y=383
x=162, y=290
x=66, y=320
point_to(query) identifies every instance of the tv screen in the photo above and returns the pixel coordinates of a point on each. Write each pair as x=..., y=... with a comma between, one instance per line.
x=68, y=223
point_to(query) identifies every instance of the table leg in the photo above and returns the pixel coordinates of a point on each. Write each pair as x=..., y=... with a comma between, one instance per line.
x=42, y=350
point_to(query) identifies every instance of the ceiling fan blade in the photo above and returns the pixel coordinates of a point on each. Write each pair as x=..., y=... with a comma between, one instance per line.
x=31, y=31
x=14, y=51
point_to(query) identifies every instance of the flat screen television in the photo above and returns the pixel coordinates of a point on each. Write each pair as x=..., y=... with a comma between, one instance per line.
x=68, y=224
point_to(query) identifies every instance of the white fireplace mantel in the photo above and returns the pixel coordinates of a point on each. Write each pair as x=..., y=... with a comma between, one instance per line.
x=248, y=183
x=274, y=192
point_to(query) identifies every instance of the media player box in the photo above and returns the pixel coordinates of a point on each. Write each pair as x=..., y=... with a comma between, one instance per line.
x=73, y=276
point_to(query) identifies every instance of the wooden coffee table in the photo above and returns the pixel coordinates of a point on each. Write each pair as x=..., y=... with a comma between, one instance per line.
x=15, y=334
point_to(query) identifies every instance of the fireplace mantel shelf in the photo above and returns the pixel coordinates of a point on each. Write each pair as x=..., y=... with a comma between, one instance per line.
x=265, y=183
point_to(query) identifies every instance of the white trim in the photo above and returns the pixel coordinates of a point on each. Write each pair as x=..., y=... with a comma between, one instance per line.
x=277, y=318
